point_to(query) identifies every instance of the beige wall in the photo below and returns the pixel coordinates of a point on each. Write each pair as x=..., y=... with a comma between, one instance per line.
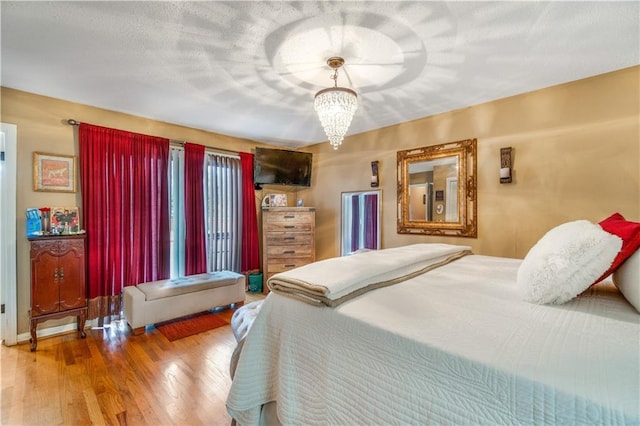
x=576, y=156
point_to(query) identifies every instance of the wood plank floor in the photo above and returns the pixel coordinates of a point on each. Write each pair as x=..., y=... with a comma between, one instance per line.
x=115, y=378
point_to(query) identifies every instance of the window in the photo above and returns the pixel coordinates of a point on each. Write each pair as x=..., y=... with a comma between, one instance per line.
x=223, y=211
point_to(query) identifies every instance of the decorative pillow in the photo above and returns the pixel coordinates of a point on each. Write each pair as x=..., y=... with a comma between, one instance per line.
x=630, y=234
x=627, y=279
x=566, y=261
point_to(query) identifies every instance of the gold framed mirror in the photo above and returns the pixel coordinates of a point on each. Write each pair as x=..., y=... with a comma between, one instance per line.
x=437, y=190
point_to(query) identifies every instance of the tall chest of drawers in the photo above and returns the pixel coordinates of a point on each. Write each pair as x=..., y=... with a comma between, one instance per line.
x=288, y=239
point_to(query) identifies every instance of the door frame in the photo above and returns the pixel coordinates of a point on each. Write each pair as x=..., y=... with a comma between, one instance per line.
x=8, y=237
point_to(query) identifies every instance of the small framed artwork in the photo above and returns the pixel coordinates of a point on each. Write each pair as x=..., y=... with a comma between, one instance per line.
x=65, y=220
x=54, y=172
x=440, y=195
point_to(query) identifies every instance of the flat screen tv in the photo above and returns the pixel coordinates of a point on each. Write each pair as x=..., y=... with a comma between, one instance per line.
x=281, y=167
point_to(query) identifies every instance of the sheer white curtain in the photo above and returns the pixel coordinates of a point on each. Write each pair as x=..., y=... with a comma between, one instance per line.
x=223, y=203
x=176, y=205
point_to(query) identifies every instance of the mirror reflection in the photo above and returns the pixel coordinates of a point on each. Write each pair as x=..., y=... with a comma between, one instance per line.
x=360, y=221
x=433, y=190
x=437, y=189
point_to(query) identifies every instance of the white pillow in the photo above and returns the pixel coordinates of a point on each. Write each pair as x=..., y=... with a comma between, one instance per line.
x=627, y=279
x=566, y=261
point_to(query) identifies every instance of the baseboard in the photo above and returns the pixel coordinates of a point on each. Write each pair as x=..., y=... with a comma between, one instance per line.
x=55, y=331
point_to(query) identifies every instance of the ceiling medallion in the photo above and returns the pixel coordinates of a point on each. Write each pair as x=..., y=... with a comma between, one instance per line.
x=335, y=106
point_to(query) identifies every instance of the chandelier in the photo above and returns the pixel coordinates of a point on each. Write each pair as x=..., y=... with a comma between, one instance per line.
x=335, y=106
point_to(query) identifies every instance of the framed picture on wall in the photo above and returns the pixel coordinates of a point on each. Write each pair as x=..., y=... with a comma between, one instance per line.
x=54, y=172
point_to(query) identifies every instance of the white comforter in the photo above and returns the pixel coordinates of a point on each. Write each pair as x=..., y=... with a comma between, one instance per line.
x=333, y=281
x=453, y=346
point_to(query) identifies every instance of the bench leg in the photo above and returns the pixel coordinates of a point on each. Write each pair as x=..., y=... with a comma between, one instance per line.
x=137, y=331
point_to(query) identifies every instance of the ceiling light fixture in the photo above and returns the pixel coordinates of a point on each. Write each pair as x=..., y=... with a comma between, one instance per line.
x=335, y=106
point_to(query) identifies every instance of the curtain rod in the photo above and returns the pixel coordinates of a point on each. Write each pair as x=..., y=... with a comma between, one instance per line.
x=73, y=122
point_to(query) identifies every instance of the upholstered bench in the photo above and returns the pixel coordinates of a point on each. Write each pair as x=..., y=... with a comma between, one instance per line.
x=157, y=301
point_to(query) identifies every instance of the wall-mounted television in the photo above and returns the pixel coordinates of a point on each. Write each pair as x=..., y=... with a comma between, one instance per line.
x=281, y=167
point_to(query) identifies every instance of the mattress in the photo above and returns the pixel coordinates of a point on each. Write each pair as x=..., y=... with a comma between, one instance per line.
x=454, y=345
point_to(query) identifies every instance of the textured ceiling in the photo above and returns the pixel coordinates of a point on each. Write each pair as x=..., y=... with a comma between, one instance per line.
x=251, y=69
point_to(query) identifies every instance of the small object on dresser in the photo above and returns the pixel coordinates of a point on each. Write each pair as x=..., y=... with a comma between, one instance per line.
x=45, y=218
x=65, y=220
x=34, y=225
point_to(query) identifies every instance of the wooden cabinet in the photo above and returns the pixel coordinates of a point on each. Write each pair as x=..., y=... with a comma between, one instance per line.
x=288, y=239
x=58, y=281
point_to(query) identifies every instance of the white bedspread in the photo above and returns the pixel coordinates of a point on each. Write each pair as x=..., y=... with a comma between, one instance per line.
x=333, y=281
x=452, y=346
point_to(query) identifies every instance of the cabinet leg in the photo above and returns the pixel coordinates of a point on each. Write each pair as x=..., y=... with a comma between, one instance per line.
x=34, y=336
x=81, y=320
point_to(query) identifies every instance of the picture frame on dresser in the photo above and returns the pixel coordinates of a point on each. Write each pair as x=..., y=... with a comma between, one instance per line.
x=54, y=172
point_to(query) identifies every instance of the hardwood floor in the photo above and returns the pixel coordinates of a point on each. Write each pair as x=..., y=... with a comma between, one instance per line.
x=113, y=377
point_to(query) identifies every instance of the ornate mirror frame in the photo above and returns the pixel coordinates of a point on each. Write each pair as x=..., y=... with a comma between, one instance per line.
x=464, y=153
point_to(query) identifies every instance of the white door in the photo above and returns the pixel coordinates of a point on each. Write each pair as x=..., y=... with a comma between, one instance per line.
x=8, y=284
x=451, y=214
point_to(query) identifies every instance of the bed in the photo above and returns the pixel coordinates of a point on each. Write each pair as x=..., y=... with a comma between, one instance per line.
x=454, y=344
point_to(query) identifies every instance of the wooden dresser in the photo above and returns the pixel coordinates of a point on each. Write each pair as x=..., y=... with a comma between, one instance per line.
x=58, y=281
x=288, y=239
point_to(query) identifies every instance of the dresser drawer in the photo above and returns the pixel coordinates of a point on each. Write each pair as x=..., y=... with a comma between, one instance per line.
x=289, y=252
x=286, y=238
x=292, y=216
x=287, y=227
x=281, y=265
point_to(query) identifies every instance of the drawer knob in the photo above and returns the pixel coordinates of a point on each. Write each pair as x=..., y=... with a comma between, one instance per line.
x=290, y=266
x=289, y=251
x=289, y=217
x=289, y=226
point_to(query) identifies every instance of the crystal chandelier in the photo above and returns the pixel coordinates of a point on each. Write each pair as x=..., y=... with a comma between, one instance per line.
x=335, y=106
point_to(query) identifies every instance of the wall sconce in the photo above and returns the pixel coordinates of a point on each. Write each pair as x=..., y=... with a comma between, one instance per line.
x=505, y=165
x=374, y=174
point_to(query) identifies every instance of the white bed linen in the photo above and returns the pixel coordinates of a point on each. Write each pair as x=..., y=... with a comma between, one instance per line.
x=332, y=281
x=454, y=346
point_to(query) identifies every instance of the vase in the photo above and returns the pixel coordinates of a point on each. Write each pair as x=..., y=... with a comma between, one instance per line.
x=46, y=222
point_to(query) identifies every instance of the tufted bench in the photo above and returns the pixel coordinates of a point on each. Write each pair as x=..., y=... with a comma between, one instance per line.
x=157, y=301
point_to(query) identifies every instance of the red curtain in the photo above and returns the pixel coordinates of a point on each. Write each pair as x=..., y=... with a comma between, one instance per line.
x=125, y=203
x=250, y=245
x=195, y=250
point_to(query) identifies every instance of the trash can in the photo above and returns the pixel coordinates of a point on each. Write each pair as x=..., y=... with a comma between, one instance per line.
x=255, y=283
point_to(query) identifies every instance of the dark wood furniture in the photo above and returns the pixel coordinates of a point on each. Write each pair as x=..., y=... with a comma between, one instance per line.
x=58, y=281
x=288, y=239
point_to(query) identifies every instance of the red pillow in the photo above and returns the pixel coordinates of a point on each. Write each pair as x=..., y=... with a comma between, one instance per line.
x=629, y=232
